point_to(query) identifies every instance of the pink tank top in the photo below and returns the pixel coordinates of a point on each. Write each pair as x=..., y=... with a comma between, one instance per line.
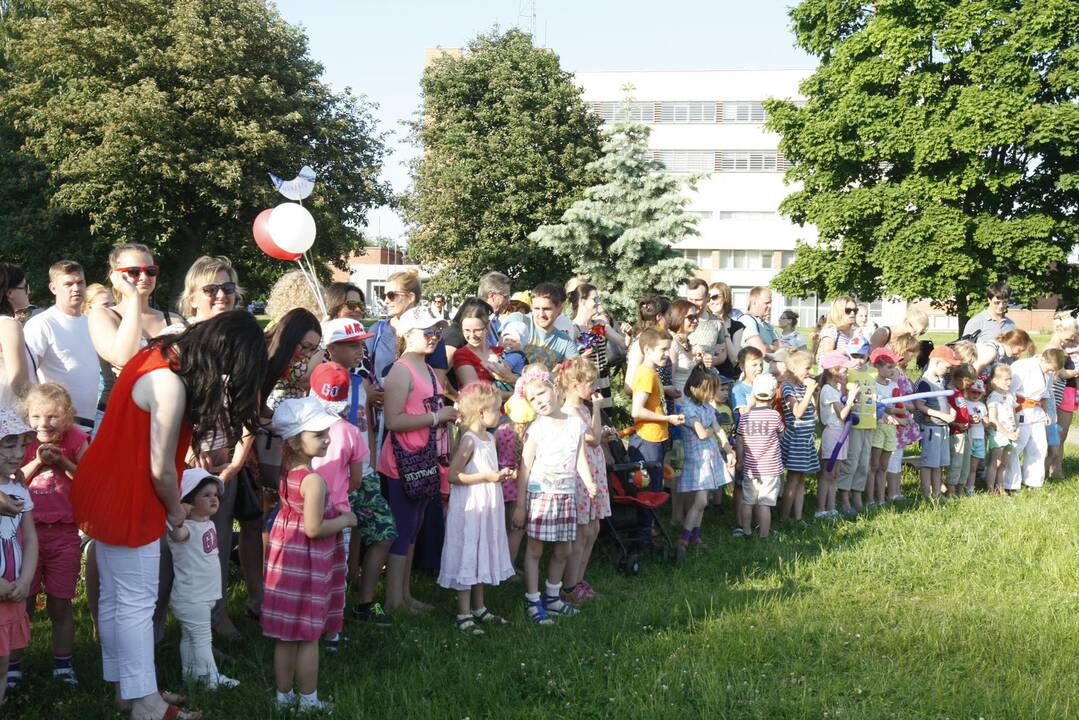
x=50, y=487
x=417, y=403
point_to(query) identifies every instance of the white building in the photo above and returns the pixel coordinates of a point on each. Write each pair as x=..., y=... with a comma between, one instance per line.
x=712, y=122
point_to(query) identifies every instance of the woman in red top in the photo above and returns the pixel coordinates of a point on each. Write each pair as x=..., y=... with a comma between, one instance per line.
x=169, y=397
x=475, y=361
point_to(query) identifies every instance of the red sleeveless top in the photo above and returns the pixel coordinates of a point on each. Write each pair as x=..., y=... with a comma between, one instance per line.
x=113, y=493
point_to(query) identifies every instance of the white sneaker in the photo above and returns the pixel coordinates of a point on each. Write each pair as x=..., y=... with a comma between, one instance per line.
x=67, y=675
x=287, y=702
x=219, y=681
x=314, y=705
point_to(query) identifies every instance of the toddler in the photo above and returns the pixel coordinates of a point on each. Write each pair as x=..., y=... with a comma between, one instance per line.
x=552, y=459
x=978, y=419
x=884, y=441
x=836, y=404
x=907, y=432
x=48, y=466
x=18, y=541
x=933, y=416
x=751, y=361
x=1002, y=428
x=304, y=591
x=196, y=586
x=854, y=473
x=476, y=552
x=962, y=378
x=760, y=429
x=798, y=443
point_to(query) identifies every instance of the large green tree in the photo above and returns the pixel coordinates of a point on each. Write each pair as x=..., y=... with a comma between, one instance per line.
x=620, y=235
x=506, y=141
x=936, y=150
x=156, y=121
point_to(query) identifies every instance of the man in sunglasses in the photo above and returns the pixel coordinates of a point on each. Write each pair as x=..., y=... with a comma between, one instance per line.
x=992, y=322
x=59, y=341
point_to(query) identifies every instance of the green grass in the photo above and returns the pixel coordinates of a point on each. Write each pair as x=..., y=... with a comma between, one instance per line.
x=965, y=609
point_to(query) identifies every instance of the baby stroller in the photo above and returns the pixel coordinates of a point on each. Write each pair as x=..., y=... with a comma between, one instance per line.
x=629, y=505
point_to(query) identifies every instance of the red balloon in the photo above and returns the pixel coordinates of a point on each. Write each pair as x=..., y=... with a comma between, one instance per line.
x=265, y=242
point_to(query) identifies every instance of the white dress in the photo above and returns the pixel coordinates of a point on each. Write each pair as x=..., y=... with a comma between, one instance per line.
x=475, y=550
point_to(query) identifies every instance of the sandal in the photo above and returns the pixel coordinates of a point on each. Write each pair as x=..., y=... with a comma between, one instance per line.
x=490, y=618
x=537, y=613
x=468, y=626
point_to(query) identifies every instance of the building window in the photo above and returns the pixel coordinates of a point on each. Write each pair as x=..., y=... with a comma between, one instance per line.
x=807, y=308
x=616, y=111
x=743, y=112
x=750, y=161
x=700, y=214
x=788, y=257
x=686, y=161
x=687, y=112
x=746, y=215
x=702, y=257
x=746, y=259
x=740, y=297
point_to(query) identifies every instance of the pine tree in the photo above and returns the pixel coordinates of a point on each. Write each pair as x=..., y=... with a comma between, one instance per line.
x=621, y=234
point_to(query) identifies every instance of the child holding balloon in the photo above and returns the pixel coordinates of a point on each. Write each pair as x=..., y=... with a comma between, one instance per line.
x=835, y=409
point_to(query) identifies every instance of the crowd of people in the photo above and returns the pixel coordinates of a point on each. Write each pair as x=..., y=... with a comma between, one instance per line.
x=137, y=440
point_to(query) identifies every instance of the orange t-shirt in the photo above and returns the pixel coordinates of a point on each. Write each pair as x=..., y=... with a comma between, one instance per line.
x=113, y=493
x=647, y=380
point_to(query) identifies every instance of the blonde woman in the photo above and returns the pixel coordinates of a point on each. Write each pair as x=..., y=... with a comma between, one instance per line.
x=211, y=287
x=838, y=332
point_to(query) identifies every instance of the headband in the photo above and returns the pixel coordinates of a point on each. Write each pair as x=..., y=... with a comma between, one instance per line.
x=527, y=377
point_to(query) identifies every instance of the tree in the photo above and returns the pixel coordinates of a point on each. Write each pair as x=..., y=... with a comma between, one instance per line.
x=620, y=235
x=937, y=149
x=506, y=139
x=156, y=121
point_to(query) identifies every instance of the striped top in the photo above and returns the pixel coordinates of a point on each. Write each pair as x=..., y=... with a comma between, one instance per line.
x=760, y=430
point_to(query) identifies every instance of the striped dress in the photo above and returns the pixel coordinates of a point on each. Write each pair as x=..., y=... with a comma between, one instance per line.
x=797, y=443
x=304, y=591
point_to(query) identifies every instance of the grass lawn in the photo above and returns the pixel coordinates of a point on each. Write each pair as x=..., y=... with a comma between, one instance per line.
x=965, y=609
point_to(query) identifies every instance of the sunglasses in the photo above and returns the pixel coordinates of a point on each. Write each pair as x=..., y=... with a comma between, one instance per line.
x=355, y=305
x=851, y=311
x=392, y=295
x=432, y=332
x=714, y=297
x=693, y=318
x=229, y=288
x=136, y=270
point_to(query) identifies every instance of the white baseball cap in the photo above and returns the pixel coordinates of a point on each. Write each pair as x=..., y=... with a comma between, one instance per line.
x=193, y=477
x=764, y=386
x=344, y=330
x=297, y=415
x=418, y=318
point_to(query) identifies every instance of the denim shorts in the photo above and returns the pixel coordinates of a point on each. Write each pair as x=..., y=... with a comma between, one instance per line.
x=936, y=448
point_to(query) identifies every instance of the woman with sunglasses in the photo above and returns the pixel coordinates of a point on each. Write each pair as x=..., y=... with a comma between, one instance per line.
x=345, y=300
x=17, y=371
x=212, y=287
x=169, y=397
x=413, y=410
x=838, y=332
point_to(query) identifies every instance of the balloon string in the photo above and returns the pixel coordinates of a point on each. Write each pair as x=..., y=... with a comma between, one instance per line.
x=312, y=282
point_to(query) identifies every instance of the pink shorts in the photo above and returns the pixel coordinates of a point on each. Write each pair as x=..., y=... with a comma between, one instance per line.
x=14, y=627
x=1068, y=400
x=829, y=437
x=58, y=560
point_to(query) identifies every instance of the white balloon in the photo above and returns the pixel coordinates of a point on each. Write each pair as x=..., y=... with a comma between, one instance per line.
x=291, y=227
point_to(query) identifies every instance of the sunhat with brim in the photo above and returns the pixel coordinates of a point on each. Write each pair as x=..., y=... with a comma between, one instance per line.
x=836, y=359
x=419, y=318
x=297, y=415
x=12, y=424
x=193, y=480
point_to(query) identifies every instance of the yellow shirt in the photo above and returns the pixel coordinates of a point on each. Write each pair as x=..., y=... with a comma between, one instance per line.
x=646, y=380
x=866, y=407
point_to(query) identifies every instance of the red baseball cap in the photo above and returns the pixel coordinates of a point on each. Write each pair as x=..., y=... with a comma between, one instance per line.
x=331, y=384
x=882, y=354
x=946, y=354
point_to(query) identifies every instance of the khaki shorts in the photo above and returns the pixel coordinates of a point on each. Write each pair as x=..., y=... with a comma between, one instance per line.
x=884, y=437
x=761, y=490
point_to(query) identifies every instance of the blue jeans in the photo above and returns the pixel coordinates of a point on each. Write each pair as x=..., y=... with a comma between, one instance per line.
x=650, y=452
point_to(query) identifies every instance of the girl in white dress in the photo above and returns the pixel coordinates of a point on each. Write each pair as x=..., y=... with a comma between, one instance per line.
x=476, y=551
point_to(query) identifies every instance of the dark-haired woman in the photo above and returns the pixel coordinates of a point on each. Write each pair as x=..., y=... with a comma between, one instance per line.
x=16, y=368
x=590, y=328
x=169, y=397
x=344, y=300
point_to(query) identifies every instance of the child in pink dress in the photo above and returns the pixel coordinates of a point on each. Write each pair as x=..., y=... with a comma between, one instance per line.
x=18, y=541
x=48, y=466
x=304, y=591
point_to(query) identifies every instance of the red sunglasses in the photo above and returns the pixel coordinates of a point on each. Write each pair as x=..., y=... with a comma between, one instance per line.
x=136, y=270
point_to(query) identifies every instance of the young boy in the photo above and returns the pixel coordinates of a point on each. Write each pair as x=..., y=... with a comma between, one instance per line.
x=759, y=429
x=933, y=416
x=648, y=443
x=884, y=441
x=1031, y=384
x=854, y=473
x=376, y=530
x=751, y=361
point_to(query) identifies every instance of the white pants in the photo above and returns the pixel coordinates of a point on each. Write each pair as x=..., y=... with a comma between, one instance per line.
x=895, y=462
x=196, y=653
x=1033, y=446
x=126, y=616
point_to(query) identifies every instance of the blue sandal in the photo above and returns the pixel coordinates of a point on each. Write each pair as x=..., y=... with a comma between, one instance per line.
x=537, y=613
x=564, y=609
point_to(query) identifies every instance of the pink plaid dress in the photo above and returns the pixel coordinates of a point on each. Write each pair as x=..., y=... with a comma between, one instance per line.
x=304, y=592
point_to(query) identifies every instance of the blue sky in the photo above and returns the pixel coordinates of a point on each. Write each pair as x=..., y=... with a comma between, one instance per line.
x=377, y=48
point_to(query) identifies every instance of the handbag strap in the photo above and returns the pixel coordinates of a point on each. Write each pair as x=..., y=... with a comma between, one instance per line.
x=354, y=398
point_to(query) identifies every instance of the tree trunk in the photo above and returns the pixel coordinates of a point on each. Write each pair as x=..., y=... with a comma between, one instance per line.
x=962, y=311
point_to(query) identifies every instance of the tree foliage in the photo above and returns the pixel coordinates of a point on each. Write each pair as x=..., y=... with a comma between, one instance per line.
x=506, y=141
x=937, y=149
x=620, y=235
x=156, y=121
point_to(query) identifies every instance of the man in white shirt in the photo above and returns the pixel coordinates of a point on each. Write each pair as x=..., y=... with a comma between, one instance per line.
x=59, y=341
